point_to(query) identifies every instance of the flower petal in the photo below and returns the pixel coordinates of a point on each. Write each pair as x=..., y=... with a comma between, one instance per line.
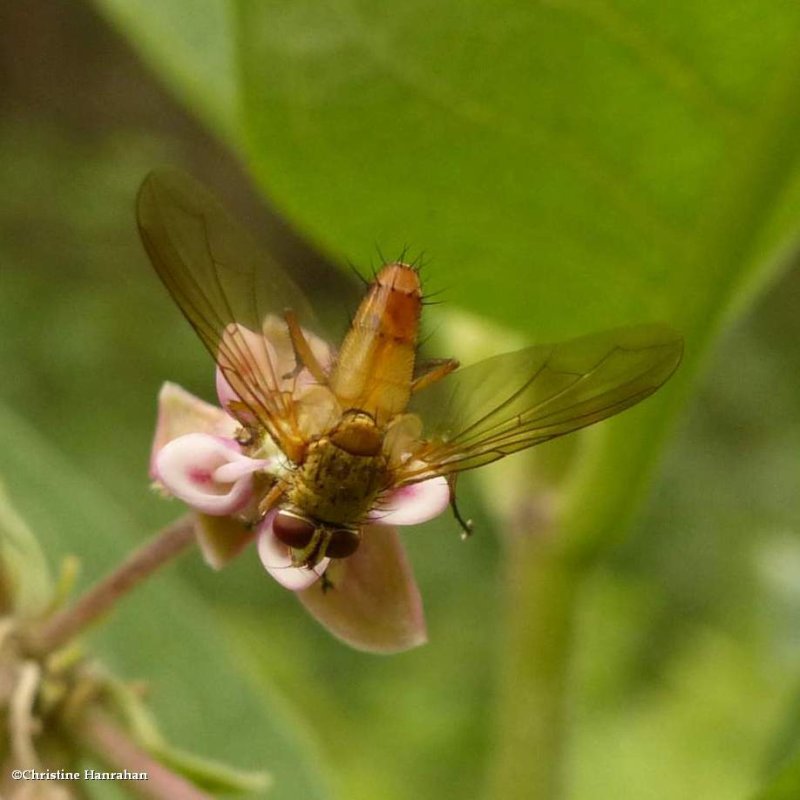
x=277, y=559
x=188, y=467
x=413, y=504
x=270, y=355
x=221, y=539
x=277, y=334
x=225, y=393
x=242, y=466
x=374, y=604
x=260, y=359
x=180, y=412
x=316, y=408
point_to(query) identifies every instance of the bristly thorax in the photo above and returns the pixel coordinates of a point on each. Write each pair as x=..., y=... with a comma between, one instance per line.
x=343, y=472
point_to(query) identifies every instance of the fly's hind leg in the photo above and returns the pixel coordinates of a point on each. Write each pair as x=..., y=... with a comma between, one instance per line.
x=303, y=354
x=466, y=524
x=435, y=373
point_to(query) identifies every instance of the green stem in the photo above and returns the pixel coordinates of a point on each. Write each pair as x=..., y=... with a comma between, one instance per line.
x=542, y=588
x=113, y=746
x=546, y=570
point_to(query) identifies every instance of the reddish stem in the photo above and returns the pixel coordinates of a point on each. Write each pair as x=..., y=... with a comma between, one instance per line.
x=103, y=596
x=115, y=749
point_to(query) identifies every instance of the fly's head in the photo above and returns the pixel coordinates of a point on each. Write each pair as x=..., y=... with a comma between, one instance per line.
x=310, y=541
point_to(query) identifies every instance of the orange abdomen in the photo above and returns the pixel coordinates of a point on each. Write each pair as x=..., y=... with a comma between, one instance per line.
x=376, y=362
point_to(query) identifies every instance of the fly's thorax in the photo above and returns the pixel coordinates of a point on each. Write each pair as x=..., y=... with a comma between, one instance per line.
x=357, y=434
x=342, y=473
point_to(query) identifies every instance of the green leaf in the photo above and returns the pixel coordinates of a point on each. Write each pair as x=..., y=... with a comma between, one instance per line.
x=162, y=633
x=203, y=772
x=786, y=784
x=568, y=166
x=209, y=774
x=603, y=165
x=26, y=587
x=570, y=148
x=192, y=46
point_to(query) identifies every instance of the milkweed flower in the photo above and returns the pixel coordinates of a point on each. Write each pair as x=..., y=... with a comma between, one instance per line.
x=370, y=598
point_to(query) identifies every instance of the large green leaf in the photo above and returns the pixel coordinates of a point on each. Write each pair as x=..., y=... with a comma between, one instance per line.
x=580, y=146
x=162, y=634
x=786, y=784
x=574, y=152
x=566, y=166
x=192, y=46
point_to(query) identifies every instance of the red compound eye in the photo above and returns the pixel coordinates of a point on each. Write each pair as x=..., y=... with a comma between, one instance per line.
x=293, y=531
x=343, y=542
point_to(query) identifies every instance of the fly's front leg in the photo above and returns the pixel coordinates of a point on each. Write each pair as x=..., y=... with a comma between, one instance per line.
x=437, y=372
x=270, y=499
x=303, y=354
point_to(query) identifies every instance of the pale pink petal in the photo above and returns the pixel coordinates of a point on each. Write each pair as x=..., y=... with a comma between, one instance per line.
x=225, y=393
x=270, y=357
x=277, y=559
x=251, y=351
x=316, y=408
x=187, y=467
x=277, y=334
x=221, y=539
x=322, y=351
x=180, y=412
x=412, y=504
x=374, y=603
x=233, y=470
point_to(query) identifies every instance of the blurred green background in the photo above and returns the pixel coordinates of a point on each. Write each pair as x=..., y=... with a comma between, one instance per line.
x=565, y=167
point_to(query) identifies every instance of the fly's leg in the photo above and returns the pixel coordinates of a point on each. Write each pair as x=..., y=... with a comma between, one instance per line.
x=303, y=355
x=437, y=372
x=310, y=555
x=466, y=524
x=325, y=583
x=270, y=499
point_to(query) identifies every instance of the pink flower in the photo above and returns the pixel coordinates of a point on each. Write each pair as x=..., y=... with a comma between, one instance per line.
x=369, y=599
x=209, y=473
x=426, y=501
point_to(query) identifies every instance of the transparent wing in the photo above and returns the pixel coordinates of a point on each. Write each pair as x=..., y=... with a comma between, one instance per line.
x=509, y=402
x=225, y=286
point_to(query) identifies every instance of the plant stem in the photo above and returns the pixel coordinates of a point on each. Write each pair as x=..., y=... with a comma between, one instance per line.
x=544, y=580
x=103, y=596
x=114, y=748
x=542, y=587
x=20, y=715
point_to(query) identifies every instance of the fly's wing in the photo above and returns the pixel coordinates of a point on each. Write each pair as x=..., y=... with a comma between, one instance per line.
x=512, y=401
x=225, y=287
